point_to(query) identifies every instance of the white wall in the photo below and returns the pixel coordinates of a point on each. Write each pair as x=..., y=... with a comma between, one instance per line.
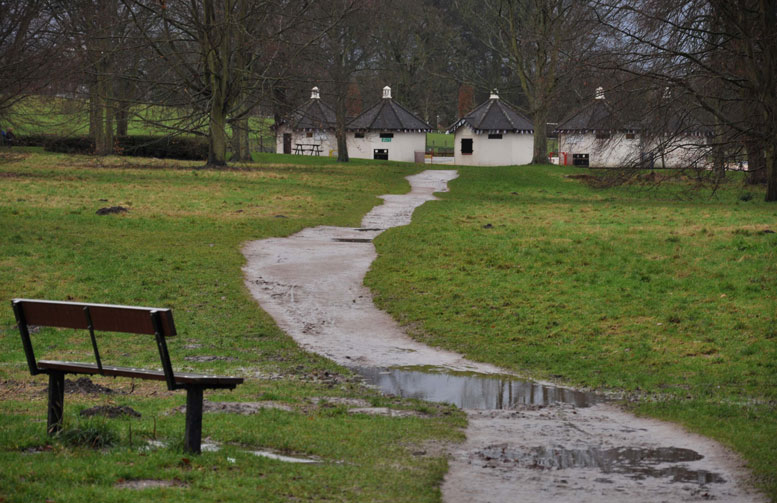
x=681, y=152
x=402, y=146
x=326, y=139
x=512, y=149
x=613, y=152
x=618, y=151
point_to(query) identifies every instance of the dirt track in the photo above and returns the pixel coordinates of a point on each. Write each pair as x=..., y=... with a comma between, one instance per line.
x=311, y=284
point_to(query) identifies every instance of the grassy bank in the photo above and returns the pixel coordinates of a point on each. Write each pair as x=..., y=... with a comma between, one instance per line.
x=664, y=292
x=179, y=246
x=70, y=117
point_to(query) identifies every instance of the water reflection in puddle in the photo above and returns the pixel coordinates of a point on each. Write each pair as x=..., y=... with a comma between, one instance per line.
x=352, y=240
x=636, y=463
x=472, y=391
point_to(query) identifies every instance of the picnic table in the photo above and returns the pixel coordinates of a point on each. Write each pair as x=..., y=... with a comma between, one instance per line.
x=309, y=148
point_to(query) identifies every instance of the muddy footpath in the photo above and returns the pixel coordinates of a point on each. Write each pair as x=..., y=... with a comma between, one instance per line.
x=526, y=441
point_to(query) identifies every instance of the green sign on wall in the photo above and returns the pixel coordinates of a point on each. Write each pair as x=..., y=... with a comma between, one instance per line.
x=385, y=140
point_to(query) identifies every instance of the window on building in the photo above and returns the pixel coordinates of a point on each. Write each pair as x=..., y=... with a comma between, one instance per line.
x=630, y=136
x=309, y=135
x=466, y=145
x=358, y=135
x=386, y=135
x=602, y=135
x=495, y=136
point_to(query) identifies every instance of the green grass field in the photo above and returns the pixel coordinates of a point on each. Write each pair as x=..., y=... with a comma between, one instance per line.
x=70, y=117
x=179, y=246
x=664, y=292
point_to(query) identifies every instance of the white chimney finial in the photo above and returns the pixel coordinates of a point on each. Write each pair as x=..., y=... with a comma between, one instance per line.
x=494, y=94
x=600, y=93
x=387, y=93
x=314, y=94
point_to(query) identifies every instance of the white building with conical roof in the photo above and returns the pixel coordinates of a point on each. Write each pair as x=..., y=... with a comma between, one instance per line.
x=493, y=134
x=387, y=131
x=309, y=130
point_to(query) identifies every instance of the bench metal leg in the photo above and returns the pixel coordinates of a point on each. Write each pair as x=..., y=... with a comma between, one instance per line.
x=56, y=401
x=193, y=435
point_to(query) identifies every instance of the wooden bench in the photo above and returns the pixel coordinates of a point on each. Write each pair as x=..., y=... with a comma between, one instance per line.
x=111, y=318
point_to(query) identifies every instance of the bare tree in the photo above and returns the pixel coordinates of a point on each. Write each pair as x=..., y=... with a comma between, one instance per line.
x=27, y=44
x=343, y=49
x=94, y=54
x=412, y=51
x=218, y=60
x=722, y=53
x=535, y=40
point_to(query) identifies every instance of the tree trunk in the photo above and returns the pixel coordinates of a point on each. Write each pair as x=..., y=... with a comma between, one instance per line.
x=122, y=118
x=241, y=151
x=540, y=119
x=217, y=137
x=103, y=139
x=215, y=56
x=340, y=131
x=771, y=173
x=756, y=164
x=94, y=108
x=342, y=146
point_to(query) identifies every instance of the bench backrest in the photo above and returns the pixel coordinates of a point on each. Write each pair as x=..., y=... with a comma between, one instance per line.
x=102, y=317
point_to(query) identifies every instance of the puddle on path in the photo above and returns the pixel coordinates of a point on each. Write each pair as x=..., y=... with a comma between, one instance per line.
x=352, y=240
x=471, y=390
x=636, y=463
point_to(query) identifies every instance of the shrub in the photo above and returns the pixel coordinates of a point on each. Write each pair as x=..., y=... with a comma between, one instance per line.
x=34, y=140
x=71, y=145
x=162, y=147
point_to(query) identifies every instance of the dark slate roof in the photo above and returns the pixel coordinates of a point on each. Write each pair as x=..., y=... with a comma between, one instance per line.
x=388, y=115
x=597, y=116
x=677, y=118
x=494, y=115
x=600, y=116
x=313, y=115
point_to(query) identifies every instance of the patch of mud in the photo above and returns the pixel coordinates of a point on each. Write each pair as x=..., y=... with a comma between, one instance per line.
x=352, y=240
x=335, y=401
x=243, y=408
x=140, y=484
x=38, y=449
x=595, y=454
x=110, y=411
x=635, y=463
x=112, y=210
x=84, y=386
x=386, y=411
x=283, y=458
x=205, y=358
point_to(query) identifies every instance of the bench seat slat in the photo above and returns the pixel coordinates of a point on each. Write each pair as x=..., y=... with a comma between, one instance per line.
x=207, y=381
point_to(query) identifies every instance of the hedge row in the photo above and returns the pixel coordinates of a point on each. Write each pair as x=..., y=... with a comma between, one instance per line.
x=161, y=147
